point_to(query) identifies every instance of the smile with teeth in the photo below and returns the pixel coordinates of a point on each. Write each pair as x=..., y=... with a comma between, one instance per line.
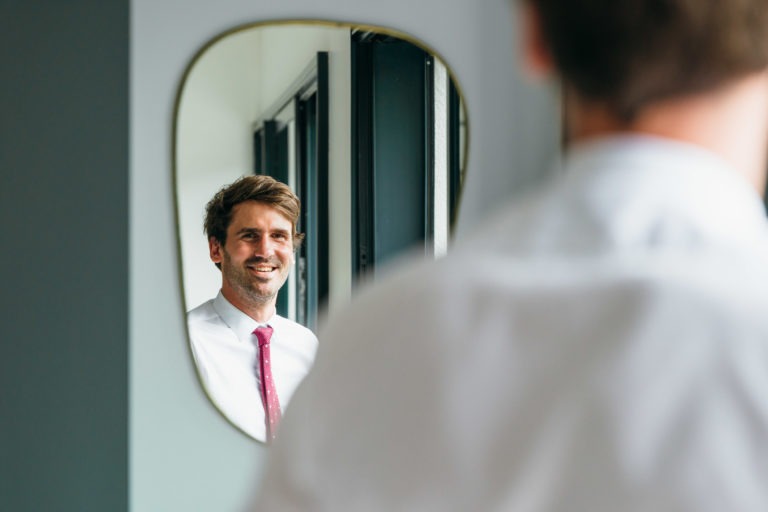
x=262, y=268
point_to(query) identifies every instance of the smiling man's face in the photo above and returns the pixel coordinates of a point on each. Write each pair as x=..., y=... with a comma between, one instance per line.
x=257, y=255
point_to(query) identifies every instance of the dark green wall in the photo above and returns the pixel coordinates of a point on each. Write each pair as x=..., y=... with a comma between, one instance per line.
x=64, y=255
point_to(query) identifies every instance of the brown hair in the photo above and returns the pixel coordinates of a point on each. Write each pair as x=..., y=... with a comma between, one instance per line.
x=261, y=188
x=629, y=53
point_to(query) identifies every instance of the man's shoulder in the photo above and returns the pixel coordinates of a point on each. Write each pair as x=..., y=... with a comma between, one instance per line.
x=468, y=287
x=295, y=328
x=204, y=313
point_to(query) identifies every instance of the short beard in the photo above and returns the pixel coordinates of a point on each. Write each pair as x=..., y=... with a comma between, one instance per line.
x=244, y=283
x=252, y=296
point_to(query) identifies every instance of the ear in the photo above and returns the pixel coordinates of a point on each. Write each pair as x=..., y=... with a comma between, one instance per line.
x=216, y=250
x=537, y=59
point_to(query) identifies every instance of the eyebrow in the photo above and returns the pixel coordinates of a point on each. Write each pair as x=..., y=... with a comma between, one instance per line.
x=258, y=231
x=248, y=230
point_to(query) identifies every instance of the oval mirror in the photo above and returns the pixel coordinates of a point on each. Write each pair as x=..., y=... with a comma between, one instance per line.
x=367, y=129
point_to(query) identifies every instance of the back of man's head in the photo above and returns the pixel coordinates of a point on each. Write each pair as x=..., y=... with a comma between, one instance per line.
x=626, y=54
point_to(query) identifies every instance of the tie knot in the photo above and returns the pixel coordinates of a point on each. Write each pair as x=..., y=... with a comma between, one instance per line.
x=263, y=334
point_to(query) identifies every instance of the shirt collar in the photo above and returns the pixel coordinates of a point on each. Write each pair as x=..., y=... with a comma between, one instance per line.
x=240, y=323
x=661, y=175
x=626, y=193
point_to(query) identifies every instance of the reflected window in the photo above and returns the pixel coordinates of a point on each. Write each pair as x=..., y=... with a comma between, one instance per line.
x=407, y=139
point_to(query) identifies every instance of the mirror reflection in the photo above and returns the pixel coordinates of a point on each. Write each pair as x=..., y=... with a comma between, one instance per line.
x=364, y=129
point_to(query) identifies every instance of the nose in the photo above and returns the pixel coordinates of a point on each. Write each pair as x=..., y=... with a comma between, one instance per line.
x=264, y=247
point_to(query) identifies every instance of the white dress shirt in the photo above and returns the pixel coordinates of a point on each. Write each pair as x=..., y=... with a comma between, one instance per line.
x=226, y=354
x=601, y=346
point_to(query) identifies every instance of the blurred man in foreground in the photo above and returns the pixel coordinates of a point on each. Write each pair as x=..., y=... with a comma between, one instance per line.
x=600, y=346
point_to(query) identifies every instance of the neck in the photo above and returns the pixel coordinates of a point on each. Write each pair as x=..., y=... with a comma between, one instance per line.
x=731, y=121
x=259, y=311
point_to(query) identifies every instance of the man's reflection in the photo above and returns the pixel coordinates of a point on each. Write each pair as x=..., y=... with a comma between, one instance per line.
x=249, y=358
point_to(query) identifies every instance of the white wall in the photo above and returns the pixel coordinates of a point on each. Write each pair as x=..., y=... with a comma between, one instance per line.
x=183, y=454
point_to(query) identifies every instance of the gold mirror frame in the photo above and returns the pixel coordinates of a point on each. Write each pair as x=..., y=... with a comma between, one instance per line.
x=176, y=145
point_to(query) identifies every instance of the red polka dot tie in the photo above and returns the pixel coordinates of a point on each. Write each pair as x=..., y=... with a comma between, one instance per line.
x=268, y=391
